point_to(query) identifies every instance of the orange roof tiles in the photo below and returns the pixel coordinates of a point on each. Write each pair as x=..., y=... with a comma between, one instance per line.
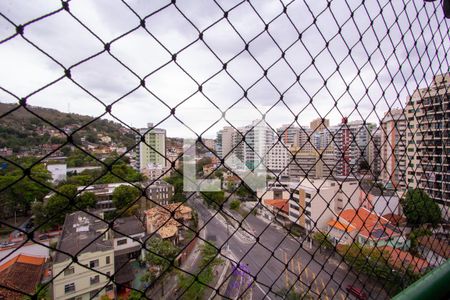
x=25, y=259
x=22, y=273
x=366, y=222
x=280, y=204
x=340, y=226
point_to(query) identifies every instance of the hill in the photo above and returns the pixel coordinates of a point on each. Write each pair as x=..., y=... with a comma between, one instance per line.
x=21, y=129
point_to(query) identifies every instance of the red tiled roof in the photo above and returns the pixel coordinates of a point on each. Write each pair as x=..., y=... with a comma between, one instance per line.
x=403, y=260
x=340, y=226
x=23, y=273
x=366, y=222
x=282, y=204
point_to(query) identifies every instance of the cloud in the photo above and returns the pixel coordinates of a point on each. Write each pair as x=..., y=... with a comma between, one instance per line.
x=370, y=73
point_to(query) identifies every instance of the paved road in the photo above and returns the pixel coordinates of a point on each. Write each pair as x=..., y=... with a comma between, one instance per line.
x=281, y=262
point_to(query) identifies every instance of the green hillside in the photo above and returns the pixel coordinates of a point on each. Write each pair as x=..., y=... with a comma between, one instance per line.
x=21, y=130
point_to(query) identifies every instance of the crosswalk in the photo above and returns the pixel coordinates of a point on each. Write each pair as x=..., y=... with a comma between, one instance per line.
x=318, y=286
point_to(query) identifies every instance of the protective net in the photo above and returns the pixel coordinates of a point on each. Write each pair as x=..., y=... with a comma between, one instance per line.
x=298, y=149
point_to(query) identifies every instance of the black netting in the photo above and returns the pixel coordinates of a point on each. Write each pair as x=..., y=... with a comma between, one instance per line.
x=298, y=149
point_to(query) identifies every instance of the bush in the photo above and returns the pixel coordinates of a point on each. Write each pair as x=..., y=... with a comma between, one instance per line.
x=235, y=205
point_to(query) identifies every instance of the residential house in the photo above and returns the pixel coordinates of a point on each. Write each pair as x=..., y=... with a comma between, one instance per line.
x=159, y=219
x=364, y=227
x=23, y=273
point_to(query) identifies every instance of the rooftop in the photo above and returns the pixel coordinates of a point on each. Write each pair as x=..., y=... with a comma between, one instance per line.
x=403, y=260
x=368, y=224
x=440, y=247
x=128, y=226
x=278, y=204
x=166, y=219
x=23, y=273
x=82, y=233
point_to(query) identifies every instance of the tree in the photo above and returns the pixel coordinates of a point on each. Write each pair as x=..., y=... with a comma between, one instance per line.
x=19, y=191
x=420, y=209
x=58, y=205
x=161, y=253
x=86, y=200
x=135, y=295
x=213, y=198
x=124, y=195
x=323, y=240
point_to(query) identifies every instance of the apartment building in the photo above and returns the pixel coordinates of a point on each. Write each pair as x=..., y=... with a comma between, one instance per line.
x=314, y=202
x=311, y=164
x=152, y=146
x=428, y=141
x=158, y=191
x=375, y=153
x=393, y=147
x=352, y=145
x=279, y=157
x=224, y=141
x=87, y=238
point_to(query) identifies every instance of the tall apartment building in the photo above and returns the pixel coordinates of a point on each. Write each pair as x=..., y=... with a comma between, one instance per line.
x=224, y=141
x=90, y=240
x=375, y=153
x=290, y=134
x=428, y=141
x=311, y=164
x=352, y=145
x=154, y=138
x=259, y=139
x=279, y=157
x=393, y=147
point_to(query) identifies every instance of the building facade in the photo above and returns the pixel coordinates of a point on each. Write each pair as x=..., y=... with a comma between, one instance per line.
x=428, y=141
x=153, y=150
x=315, y=201
x=91, y=242
x=393, y=147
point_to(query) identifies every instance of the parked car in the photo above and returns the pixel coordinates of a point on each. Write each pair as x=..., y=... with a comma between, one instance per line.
x=357, y=292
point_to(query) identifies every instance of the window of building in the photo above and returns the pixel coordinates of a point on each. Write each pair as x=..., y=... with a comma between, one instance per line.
x=292, y=214
x=93, y=263
x=69, y=271
x=94, y=294
x=121, y=242
x=307, y=195
x=95, y=279
x=308, y=213
x=69, y=288
x=108, y=260
x=109, y=287
x=308, y=204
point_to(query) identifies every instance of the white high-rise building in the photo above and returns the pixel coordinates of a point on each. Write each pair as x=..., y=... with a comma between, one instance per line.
x=279, y=157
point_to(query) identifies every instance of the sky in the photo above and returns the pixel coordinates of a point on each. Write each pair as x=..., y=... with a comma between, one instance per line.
x=280, y=71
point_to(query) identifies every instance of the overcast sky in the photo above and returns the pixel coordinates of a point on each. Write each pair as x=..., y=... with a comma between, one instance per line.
x=24, y=69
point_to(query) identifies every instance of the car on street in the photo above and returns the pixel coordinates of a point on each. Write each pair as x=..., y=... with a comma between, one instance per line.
x=357, y=292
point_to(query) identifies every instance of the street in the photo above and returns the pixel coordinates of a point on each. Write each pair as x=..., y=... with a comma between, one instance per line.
x=279, y=262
